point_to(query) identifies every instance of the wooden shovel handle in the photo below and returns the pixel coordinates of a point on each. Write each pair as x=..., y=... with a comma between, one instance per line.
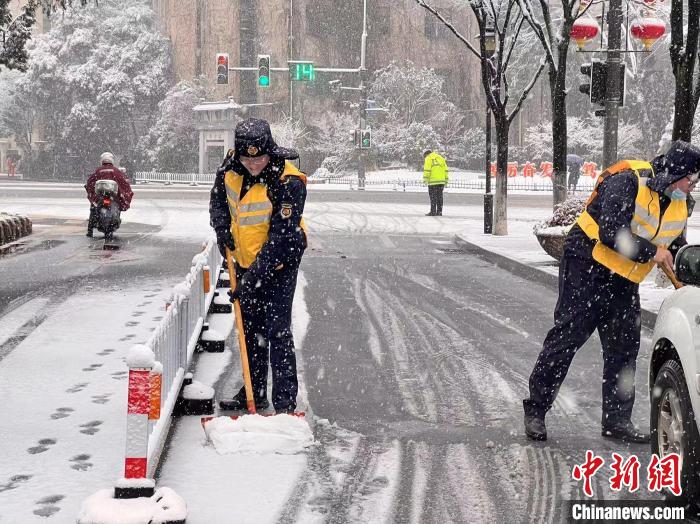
x=247, y=382
x=672, y=277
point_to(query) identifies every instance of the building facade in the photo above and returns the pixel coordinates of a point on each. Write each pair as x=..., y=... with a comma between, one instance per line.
x=327, y=32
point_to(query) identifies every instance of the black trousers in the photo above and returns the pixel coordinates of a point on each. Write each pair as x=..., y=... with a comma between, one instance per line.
x=435, y=194
x=93, y=219
x=590, y=298
x=267, y=322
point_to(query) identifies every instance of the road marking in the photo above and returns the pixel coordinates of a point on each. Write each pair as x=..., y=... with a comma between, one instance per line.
x=386, y=242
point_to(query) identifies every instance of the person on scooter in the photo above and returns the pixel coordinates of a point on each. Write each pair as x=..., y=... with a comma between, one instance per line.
x=107, y=171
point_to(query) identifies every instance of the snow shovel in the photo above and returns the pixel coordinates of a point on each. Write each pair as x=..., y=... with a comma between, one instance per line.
x=672, y=277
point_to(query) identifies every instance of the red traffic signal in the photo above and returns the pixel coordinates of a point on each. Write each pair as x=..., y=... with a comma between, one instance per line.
x=222, y=68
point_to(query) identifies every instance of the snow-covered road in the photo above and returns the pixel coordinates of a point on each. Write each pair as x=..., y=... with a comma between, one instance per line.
x=413, y=359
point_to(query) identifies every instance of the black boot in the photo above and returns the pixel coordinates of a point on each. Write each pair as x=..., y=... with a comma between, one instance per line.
x=535, y=428
x=626, y=432
x=239, y=403
x=89, y=233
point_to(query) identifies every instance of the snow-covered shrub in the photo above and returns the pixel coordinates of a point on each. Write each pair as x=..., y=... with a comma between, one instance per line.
x=564, y=216
x=331, y=140
x=469, y=149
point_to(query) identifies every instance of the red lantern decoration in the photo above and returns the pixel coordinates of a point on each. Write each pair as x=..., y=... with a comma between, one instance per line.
x=648, y=29
x=583, y=30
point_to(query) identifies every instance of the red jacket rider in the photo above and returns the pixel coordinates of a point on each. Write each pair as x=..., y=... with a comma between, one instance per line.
x=107, y=171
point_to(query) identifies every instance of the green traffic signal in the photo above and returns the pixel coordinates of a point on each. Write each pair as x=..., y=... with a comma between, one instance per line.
x=264, y=70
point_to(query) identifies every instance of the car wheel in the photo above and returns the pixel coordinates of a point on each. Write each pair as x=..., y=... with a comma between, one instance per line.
x=673, y=427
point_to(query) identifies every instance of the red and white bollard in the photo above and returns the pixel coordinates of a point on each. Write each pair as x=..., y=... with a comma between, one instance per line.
x=141, y=361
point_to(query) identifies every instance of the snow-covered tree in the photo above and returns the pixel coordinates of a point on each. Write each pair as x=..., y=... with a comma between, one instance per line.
x=585, y=139
x=331, y=140
x=172, y=145
x=420, y=115
x=96, y=80
x=290, y=133
x=16, y=31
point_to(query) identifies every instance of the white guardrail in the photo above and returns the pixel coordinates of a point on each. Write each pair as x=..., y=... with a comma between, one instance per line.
x=174, y=340
x=193, y=179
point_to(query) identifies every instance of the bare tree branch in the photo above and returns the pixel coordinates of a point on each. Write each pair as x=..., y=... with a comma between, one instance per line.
x=526, y=92
x=449, y=26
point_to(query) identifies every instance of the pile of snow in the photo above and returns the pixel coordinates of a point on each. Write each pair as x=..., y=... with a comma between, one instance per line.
x=164, y=506
x=198, y=391
x=255, y=434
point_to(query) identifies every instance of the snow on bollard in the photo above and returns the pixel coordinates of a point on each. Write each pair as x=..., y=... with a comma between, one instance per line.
x=140, y=361
x=135, y=498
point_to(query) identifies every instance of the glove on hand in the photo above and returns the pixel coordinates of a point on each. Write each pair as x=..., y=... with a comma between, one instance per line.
x=224, y=240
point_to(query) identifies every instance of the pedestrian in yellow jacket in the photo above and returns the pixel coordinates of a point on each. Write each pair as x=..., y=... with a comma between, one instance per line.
x=435, y=176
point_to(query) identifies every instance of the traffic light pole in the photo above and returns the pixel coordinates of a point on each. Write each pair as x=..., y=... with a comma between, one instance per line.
x=613, y=89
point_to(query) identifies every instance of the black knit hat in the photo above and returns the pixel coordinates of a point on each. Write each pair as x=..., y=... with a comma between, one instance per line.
x=254, y=138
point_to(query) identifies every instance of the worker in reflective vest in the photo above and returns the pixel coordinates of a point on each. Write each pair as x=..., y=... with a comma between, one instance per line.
x=256, y=209
x=435, y=176
x=635, y=218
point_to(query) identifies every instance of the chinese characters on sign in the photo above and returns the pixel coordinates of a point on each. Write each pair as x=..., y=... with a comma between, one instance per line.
x=661, y=473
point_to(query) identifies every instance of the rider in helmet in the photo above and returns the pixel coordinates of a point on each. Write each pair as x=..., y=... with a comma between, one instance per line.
x=107, y=171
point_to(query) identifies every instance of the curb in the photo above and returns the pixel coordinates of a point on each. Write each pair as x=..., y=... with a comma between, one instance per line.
x=530, y=273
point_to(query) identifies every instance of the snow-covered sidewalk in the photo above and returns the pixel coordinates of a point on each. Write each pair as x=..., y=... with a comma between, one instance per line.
x=64, y=393
x=521, y=246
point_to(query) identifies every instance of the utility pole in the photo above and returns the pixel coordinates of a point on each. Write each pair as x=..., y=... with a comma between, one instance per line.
x=290, y=56
x=363, y=98
x=613, y=89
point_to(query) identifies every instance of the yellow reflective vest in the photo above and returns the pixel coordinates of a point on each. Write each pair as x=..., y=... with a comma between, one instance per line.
x=250, y=215
x=646, y=223
x=435, y=170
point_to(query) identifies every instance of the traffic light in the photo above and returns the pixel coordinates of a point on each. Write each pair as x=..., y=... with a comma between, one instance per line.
x=222, y=68
x=365, y=139
x=264, y=70
x=597, y=73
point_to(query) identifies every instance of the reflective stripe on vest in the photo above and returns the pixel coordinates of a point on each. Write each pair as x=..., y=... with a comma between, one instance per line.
x=646, y=223
x=250, y=215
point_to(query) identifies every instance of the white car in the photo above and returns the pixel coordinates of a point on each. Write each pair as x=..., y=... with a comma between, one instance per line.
x=674, y=374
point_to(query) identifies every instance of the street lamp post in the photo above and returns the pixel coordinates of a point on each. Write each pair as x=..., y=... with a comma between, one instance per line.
x=489, y=37
x=363, y=99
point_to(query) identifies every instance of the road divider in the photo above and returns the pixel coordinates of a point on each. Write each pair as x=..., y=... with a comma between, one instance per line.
x=157, y=377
